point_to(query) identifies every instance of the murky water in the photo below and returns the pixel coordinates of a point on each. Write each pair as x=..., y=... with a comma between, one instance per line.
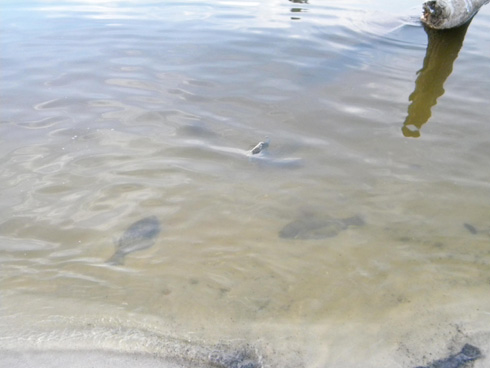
x=360, y=237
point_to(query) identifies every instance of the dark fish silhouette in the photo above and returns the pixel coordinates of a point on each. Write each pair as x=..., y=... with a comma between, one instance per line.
x=470, y=228
x=444, y=14
x=140, y=235
x=311, y=227
x=467, y=354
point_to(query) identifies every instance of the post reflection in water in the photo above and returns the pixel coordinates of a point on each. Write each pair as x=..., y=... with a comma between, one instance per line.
x=298, y=9
x=442, y=50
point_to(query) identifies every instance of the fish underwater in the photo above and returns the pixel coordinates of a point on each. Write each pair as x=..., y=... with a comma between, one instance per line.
x=259, y=154
x=470, y=228
x=311, y=227
x=140, y=235
x=459, y=360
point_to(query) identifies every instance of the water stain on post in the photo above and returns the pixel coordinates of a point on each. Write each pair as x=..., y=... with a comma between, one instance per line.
x=140, y=235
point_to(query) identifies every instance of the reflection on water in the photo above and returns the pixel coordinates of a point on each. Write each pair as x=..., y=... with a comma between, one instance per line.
x=442, y=50
x=298, y=9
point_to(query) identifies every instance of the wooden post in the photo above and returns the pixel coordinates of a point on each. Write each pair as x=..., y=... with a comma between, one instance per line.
x=443, y=14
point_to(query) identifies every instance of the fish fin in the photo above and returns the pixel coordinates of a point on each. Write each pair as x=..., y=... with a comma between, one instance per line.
x=116, y=260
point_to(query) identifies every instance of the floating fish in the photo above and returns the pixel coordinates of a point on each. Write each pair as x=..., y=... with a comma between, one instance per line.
x=312, y=227
x=260, y=146
x=467, y=354
x=259, y=154
x=140, y=235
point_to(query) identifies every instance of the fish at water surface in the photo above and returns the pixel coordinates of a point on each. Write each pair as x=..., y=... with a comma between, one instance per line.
x=140, y=235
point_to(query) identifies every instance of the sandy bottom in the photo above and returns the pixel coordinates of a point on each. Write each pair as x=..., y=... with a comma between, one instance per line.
x=79, y=359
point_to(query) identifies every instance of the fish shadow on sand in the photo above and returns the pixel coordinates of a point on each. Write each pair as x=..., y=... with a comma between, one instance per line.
x=140, y=235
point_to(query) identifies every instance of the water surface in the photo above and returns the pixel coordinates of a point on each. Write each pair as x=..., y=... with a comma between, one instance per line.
x=112, y=112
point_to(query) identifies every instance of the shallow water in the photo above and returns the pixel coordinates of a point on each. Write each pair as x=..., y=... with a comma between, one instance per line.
x=112, y=112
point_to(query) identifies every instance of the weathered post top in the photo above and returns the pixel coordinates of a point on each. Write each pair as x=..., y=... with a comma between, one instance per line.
x=443, y=14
